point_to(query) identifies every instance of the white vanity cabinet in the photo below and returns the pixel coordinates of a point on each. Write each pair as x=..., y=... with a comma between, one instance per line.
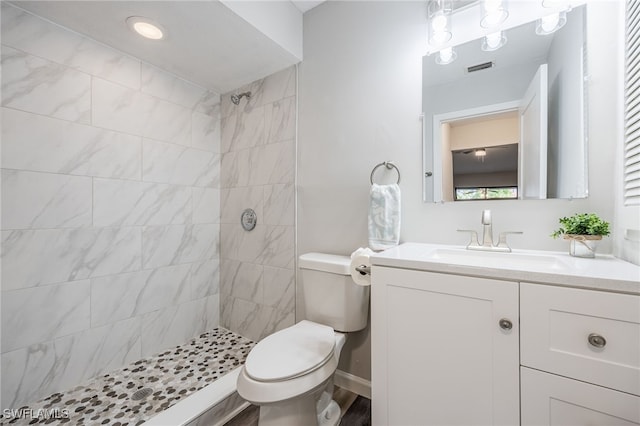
x=444, y=349
x=440, y=354
x=580, y=356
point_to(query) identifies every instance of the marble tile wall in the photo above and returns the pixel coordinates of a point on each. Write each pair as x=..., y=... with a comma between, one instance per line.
x=110, y=188
x=257, y=286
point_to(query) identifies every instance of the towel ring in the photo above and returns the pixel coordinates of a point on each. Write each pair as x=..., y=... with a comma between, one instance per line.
x=389, y=165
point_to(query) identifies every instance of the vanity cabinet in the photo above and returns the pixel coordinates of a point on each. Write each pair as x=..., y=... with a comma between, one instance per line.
x=580, y=356
x=444, y=349
x=443, y=354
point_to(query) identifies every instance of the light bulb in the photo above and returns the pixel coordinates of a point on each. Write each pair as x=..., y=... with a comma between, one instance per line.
x=446, y=56
x=551, y=23
x=440, y=38
x=439, y=23
x=439, y=31
x=148, y=30
x=493, y=41
x=145, y=27
x=493, y=13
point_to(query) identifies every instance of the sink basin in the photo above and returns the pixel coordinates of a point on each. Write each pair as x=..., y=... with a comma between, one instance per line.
x=489, y=259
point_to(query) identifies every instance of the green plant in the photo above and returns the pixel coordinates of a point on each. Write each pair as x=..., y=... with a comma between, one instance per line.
x=582, y=224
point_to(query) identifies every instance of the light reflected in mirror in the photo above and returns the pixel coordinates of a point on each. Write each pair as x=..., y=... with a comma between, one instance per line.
x=524, y=108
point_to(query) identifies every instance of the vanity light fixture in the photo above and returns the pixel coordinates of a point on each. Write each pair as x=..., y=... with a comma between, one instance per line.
x=439, y=14
x=494, y=41
x=493, y=13
x=145, y=27
x=480, y=152
x=446, y=56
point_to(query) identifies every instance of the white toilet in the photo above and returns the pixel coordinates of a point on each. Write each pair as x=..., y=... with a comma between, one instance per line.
x=289, y=374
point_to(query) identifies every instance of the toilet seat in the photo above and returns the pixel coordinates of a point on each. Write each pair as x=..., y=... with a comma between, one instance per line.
x=307, y=376
x=290, y=353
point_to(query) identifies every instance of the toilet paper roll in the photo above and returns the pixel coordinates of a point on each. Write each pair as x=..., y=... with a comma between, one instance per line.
x=359, y=258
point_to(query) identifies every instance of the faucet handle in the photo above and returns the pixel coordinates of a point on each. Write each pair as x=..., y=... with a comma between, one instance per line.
x=502, y=238
x=474, y=237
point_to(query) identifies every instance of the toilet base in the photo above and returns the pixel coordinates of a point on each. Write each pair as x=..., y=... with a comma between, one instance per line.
x=296, y=412
x=330, y=416
x=299, y=412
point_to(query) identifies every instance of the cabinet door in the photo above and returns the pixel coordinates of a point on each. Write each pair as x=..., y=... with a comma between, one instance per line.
x=548, y=399
x=446, y=360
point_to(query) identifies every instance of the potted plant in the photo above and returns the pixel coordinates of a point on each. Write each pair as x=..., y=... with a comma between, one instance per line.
x=583, y=230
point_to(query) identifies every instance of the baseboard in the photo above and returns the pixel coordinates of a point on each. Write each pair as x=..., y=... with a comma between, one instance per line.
x=352, y=383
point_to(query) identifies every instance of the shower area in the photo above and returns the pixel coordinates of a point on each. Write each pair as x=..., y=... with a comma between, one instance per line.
x=122, y=189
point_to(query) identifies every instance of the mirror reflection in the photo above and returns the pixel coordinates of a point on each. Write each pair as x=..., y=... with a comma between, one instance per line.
x=510, y=123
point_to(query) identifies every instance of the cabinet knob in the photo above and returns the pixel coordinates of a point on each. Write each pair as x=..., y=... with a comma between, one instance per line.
x=505, y=324
x=597, y=341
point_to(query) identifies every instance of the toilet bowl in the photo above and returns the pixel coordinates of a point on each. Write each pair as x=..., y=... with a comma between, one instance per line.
x=289, y=374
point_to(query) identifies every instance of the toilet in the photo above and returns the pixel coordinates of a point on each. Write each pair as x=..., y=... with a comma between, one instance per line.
x=289, y=374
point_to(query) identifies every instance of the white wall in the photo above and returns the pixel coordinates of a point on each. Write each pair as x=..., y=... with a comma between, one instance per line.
x=281, y=21
x=566, y=148
x=485, y=133
x=360, y=99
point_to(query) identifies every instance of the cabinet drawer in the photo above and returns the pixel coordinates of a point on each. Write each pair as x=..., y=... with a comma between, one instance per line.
x=548, y=399
x=555, y=328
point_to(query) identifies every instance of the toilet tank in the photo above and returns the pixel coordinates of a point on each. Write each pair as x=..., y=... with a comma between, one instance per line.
x=330, y=296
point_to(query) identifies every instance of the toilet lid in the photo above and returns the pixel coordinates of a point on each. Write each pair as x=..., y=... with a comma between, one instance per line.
x=291, y=352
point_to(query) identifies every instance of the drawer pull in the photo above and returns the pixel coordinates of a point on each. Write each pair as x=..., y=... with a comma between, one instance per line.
x=597, y=340
x=505, y=324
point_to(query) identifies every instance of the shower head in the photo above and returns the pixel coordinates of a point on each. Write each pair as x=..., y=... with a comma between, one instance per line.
x=235, y=98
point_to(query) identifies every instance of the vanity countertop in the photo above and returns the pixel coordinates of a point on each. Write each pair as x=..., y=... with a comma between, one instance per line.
x=604, y=272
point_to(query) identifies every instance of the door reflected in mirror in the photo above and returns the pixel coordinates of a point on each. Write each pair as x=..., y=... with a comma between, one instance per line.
x=483, y=152
x=513, y=128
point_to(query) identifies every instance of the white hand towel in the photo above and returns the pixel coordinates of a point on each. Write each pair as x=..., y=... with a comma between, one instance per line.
x=384, y=216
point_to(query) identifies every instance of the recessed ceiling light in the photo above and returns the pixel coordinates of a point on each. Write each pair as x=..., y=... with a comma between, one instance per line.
x=145, y=27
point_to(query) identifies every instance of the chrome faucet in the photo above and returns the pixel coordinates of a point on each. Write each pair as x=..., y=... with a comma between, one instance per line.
x=487, y=236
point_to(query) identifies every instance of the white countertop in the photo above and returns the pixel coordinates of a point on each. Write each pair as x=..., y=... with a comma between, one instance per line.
x=604, y=272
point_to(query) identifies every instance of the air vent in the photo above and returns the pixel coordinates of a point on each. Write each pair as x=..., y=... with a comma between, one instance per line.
x=479, y=67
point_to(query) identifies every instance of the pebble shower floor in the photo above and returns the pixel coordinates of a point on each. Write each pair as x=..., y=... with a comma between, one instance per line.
x=139, y=391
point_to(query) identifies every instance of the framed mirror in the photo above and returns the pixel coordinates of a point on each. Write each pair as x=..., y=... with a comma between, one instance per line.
x=509, y=123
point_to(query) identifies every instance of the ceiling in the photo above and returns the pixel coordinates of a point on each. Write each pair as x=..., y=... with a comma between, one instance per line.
x=206, y=42
x=502, y=158
x=305, y=5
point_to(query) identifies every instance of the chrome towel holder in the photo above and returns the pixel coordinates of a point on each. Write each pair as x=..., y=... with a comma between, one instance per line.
x=389, y=165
